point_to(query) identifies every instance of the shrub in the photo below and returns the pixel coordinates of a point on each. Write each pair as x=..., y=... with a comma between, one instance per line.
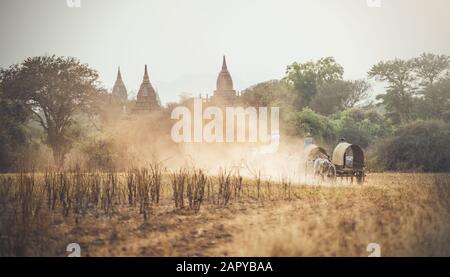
x=420, y=146
x=101, y=154
x=362, y=127
x=308, y=122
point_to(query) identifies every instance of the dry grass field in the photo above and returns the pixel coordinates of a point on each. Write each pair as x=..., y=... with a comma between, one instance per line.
x=154, y=212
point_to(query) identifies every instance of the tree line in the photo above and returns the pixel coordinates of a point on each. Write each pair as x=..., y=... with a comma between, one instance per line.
x=406, y=127
x=49, y=100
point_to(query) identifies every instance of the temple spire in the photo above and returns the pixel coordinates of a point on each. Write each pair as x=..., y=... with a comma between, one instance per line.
x=224, y=92
x=119, y=90
x=146, y=78
x=224, y=63
x=147, y=98
x=119, y=75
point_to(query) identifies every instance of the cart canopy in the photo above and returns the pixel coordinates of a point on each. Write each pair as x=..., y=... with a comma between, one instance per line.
x=313, y=151
x=348, y=156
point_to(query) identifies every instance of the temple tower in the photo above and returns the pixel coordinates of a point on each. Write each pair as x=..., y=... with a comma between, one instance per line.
x=119, y=91
x=224, y=91
x=147, y=98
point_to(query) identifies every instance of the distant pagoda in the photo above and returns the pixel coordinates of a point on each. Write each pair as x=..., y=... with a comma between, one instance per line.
x=147, y=98
x=119, y=91
x=224, y=92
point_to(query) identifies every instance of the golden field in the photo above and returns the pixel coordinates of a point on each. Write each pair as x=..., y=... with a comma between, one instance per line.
x=154, y=212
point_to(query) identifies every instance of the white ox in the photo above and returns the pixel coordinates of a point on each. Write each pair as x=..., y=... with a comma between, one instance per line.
x=323, y=167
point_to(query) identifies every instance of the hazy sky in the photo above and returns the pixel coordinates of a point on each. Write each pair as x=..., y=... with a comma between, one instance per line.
x=183, y=41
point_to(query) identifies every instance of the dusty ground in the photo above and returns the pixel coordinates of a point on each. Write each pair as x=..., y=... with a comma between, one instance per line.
x=406, y=214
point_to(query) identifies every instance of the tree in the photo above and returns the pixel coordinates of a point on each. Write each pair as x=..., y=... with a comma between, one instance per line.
x=408, y=83
x=102, y=153
x=401, y=87
x=53, y=89
x=306, y=77
x=266, y=94
x=359, y=91
x=431, y=68
x=336, y=96
x=435, y=103
x=13, y=137
x=362, y=126
x=331, y=97
x=422, y=146
x=307, y=122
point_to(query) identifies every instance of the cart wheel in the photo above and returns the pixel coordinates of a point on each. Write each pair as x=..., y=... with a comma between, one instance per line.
x=331, y=174
x=360, y=177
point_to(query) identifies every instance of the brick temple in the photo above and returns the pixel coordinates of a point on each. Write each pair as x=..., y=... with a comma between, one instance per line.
x=147, y=99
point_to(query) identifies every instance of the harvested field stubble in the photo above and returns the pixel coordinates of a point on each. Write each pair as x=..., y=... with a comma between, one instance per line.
x=152, y=212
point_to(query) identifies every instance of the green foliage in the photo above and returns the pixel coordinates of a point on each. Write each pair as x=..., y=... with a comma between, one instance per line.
x=306, y=77
x=320, y=86
x=435, y=103
x=431, y=68
x=267, y=94
x=53, y=89
x=307, y=122
x=399, y=75
x=275, y=93
x=13, y=135
x=421, y=146
x=63, y=95
x=362, y=126
x=330, y=97
x=336, y=96
x=406, y=80
x=101, y=154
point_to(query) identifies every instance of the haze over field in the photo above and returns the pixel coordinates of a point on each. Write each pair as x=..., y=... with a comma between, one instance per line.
x=327, y=132
x=184, y=40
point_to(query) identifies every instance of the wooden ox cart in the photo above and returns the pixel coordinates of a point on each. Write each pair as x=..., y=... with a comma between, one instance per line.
x=349, y=161
x=310, y=154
